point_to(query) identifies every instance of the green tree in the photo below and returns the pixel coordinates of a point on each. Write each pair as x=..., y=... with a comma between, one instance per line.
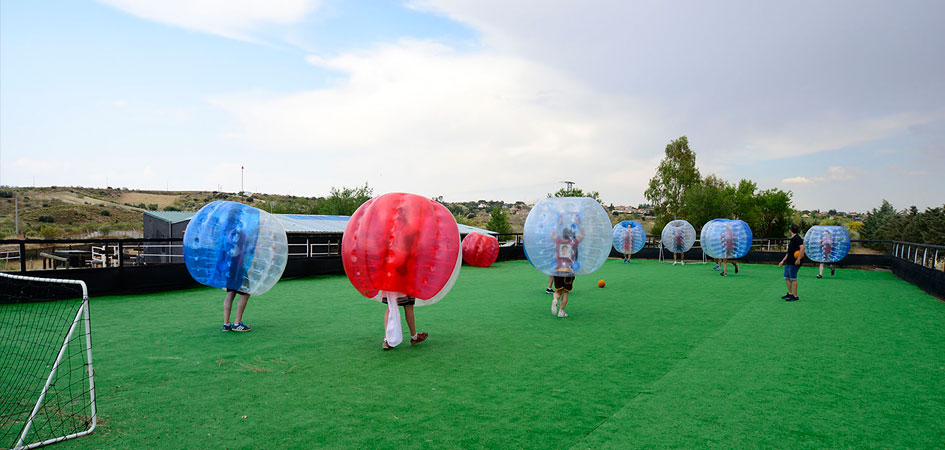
x=711, y=198
x=875, y=220
x=774, y=213
x=675, y=174
x=344, y=201
x=499, y=221
x=577, y=192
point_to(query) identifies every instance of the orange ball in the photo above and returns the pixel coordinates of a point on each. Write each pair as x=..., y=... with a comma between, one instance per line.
x=601, y=283
x=796, y=254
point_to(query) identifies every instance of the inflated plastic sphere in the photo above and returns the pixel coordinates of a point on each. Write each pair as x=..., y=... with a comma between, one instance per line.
x=678, y=236
x=826, y=243
x=726, y=239
x=567, y=236
x=402, y=243
x=230, y=245
x=480, y=250
x=629, y=237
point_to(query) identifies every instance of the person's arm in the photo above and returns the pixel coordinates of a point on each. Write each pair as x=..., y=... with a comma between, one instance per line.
x=800, y=255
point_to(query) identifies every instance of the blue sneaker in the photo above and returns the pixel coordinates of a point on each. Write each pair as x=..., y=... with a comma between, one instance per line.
x=716, y=267
x=241, y=327
x=792, y=299
x=227, y=327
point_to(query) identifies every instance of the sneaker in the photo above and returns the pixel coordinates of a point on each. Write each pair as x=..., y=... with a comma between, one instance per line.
x=561, y=313
x=832, y=270
x=241, y=327
x=549, y=291
x=722, y=273
x=786, y=296
x=227, y=327
x=420, y=338
x=716, y=267
x=554, y=307
x=819, y=276
x=385, y=345
x=682, y=263
x=674, y=263
x=791, y=299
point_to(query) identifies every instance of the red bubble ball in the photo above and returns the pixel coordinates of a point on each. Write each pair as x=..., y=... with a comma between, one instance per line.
x=480, y=250
x=402, y=243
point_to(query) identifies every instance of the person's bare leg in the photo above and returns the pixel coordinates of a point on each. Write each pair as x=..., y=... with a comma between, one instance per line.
x=240, y=307
x=564, y=300
x=794, y=288
x=788, y=283
x=408, y=314
x=227, y=306
x=821, y=273
x=725, y=266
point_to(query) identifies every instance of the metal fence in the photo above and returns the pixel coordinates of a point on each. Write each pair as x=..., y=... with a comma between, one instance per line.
x=925, y=255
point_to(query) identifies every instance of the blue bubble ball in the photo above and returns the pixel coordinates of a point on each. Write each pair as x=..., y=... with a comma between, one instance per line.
x=726, y=238
x=678, y=236
x=826, y=243
x=567, y=236
x=629, y=237
x=230, y=245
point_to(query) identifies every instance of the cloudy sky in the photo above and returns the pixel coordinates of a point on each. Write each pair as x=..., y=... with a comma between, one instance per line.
x=841, y=102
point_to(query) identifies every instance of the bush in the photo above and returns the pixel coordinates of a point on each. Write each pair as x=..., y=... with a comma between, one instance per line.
x=152, y=206
x=6, y=194
x=46, y=219
x=49, y=232
x=106, y=213
x=142, y=206
x=171, y=208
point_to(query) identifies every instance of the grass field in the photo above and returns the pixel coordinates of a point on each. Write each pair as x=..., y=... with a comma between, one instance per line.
x=662, y=357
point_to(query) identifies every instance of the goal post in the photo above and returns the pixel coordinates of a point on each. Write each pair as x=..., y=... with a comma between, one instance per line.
x=47, y=388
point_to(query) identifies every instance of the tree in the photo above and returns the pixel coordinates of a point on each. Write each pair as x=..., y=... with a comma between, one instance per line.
x=577, y=192
x=499, y=221
x=774, y=213
x=711, y=198
x=674, y=176
x=344, y=201
x=875, y=220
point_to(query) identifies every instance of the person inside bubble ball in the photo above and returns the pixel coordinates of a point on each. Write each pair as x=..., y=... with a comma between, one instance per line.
x=678, y=243
x=728, y=243
x=240, y=307
x=407, y=303
x=627, y=244
x=566, y=245
x=826, y=245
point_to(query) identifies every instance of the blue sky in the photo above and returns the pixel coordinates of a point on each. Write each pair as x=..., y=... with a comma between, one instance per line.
x=843, y=103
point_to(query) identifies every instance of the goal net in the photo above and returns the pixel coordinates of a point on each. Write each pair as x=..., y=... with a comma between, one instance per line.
x=47, y=393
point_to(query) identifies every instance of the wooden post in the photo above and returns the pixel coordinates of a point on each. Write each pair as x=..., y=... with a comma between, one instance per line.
x=121, y=254
x=22, y=257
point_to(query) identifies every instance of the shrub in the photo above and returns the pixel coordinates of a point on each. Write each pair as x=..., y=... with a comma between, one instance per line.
x=171, y=208
x=46, y=219
x=6, y=194
x=106, y=213
x=152, y=206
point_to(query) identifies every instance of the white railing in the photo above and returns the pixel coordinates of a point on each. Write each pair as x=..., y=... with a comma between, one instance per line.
x=925, y=255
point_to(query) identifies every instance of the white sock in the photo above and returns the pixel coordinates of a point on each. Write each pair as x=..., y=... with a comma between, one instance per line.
x=414, y=337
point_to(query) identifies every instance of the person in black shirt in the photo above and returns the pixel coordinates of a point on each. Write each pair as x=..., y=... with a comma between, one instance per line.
x=793, y=257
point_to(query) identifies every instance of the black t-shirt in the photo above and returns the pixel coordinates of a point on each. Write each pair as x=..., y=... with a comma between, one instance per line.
x=793, y=246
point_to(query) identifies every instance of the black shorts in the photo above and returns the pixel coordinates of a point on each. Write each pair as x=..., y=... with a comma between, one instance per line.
x=402, y=301
x=238, y=292
x=564, y=283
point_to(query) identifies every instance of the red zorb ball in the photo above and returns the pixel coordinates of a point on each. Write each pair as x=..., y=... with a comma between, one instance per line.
x=480, y=250
x=402, y=243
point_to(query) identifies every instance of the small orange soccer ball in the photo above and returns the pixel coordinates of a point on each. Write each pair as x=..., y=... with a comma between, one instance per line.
x=797, y=253
x=601, y=283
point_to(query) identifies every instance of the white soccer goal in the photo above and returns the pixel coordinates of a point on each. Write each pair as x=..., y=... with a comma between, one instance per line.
x=47, y=391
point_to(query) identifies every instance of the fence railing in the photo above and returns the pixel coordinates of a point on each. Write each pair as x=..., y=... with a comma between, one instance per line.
x=40, y=254
x=925, y=255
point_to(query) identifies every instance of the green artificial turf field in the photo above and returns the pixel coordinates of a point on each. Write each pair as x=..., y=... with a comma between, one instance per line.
x=664, y=356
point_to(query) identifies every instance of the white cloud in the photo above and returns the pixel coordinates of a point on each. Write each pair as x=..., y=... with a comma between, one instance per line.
x=843, y=173
x=235, y=19
x=797, y=180
x=423, y=117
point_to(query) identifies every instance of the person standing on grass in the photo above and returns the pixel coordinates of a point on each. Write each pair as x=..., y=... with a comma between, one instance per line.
x=240, y=307
x=794, y=255
x=407, y=303
x=563, y=286
x=728, y=243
